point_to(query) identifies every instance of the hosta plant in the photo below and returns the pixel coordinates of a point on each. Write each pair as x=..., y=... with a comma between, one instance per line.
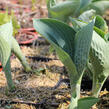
x=98, y=55
x=61, y=10
x=9, y=45
x=73, y=49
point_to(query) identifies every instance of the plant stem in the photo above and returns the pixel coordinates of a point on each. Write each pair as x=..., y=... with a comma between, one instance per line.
x=75, y=95
x=75, y=92
x=17, y=51
x=7, y=70
x=98, y=82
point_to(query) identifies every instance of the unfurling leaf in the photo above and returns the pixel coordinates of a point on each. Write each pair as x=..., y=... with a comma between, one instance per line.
x=71, y=46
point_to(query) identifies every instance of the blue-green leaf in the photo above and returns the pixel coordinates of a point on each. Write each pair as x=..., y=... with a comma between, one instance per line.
x=63, y=9
x=82, y=46
x=77, y=24
x=99, y=6
x=4, y=51
x=84, y=3
x=61, y=36
x=6, y=31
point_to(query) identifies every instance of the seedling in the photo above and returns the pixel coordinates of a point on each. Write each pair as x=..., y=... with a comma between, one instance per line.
x=98, y=55
x=8, y=44
x=72, y=48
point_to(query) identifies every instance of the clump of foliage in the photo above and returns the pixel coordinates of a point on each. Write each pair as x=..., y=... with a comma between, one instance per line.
x=61, y=10
x=73, y=49
x=82, y=43
x=77, y=45
x=9, y=45
x=98, y=55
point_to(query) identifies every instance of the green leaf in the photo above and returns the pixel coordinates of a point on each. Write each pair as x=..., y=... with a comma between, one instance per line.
x=101, y=24
x=98, y=55
x=6, y=31
x=99, y=60
x=59, y=33
x=15, y=48
x=87, y=102
x=100, y=32
x=67, y=61
x=73, y=104
x=87, y=15
x=106, y=36
x=82, y=46
x=7, y=45
x=62, y=10
x=64, y=7
x=99, y=6
x=77, y=24
x=71, y=47
x=61, y=36
x=5, y=51
x=84, y=3
x=50, y=3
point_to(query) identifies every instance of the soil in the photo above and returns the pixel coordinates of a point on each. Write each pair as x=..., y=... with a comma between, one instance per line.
x=36, y=91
